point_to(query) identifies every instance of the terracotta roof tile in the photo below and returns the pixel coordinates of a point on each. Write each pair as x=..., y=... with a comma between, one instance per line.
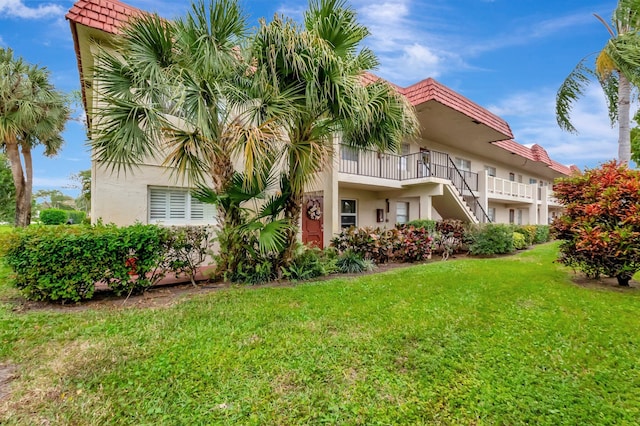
x=535, y=153
x=430, y=89
x=105, y=15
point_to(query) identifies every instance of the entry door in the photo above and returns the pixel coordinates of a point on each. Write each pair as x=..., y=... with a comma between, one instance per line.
x=312, y=221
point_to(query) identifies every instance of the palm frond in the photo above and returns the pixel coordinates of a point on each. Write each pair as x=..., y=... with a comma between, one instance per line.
x=570, y=90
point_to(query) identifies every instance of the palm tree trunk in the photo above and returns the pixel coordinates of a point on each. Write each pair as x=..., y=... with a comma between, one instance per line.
x=624, y=116
x=23, y=212
x=28, y=186
x=292, y=210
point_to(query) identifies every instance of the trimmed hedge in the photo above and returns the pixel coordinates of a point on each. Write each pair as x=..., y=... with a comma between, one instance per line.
x=490, y=238
x=53, y=216
x=64, y=262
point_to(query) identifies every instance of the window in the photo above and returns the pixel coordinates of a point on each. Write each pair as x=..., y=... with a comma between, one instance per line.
x=519, y=217
x=532, y=181
x=519, y=178
x=177, y=206
x=463, y=164
x=491, y=171
x=402, y=212
x=403, y=159
x=491, y=212
x=512, y=177
x=348, y=213
x=348, y=154
x=512, y=216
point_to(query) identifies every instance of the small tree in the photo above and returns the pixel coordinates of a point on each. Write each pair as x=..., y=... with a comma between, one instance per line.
x=32, y=112
x=601, y=224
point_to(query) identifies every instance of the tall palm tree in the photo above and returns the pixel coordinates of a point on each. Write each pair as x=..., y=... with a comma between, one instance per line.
x=313, y=77
x=32, y=113
x=617, y=69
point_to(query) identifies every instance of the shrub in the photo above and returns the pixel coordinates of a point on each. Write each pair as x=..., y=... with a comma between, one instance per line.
x=528, y=232
x=412, y=244
x=64, y=263
x=76, y=217
x=519, y=241
x=351, y=262
x=600, y=228
x=259, y=271
x=309, y=263
x=429, y=225
x=450, y=237
x=370, y=243
x=489, y=239
x=53, y=216
x=542, y=234
x=187, y=248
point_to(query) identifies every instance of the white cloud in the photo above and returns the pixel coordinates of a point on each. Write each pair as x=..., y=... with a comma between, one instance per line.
x=531, y=116
x=17, y=9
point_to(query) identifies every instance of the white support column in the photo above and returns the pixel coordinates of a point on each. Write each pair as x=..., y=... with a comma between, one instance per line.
x=533, y=208
x=331, y=209
x=544, y=206
x=426, y=207
x=483, y=196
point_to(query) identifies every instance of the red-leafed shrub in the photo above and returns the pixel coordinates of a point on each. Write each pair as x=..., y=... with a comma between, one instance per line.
x=413, y=244
x=375, y=244
x=600, y=228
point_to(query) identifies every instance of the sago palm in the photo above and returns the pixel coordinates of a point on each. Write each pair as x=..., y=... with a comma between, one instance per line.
x=32, y=112
x=313, y=82
x=616, y=68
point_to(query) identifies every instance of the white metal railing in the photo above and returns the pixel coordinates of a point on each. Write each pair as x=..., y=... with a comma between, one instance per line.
x=508, y=188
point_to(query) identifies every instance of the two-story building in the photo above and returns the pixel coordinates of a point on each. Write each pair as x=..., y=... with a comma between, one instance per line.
x=464, y=164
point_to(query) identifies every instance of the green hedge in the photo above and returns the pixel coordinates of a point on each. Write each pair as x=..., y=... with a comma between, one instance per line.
x=64, y=262
x=491, y=239
x=53, y=216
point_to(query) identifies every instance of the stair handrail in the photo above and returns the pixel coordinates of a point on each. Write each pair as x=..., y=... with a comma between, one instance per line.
x=464, y=182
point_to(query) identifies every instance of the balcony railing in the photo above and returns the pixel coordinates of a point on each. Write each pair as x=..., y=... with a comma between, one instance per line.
x=405, y=167
x=508, y=188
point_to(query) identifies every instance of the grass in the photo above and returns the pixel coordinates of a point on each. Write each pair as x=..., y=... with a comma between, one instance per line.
x=475, y=341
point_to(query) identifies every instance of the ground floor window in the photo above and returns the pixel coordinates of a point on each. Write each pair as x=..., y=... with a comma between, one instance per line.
x=402, y=212
x=348, y=213
x=512, y=216
x=519, y=217
x=491, y=212
x=177, y=206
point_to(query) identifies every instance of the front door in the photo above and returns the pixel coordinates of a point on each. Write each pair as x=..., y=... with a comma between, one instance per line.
x=312, y=220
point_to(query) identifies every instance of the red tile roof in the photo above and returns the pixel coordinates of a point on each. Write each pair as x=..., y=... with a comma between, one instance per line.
x=430, y=89
x=535, y=153
x=105, y=15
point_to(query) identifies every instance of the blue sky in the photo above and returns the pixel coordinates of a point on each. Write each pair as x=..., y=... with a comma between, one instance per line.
x=509, y=56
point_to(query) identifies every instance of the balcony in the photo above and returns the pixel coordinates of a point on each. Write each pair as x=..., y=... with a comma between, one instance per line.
x=508, y=190
x=426, y=164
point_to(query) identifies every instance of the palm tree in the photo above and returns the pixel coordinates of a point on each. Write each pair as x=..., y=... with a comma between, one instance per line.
x=313, y=80
x=32, y=113
x=616, y=68
x=165, y=89
x=173, y=90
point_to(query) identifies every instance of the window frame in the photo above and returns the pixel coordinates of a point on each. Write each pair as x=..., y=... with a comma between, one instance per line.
x=463, y=164
x=343, y=214
x=406, y=215
x=490, y=169
x=206, y=214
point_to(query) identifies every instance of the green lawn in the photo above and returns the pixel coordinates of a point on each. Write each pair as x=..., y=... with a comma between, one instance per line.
x=476, y=341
